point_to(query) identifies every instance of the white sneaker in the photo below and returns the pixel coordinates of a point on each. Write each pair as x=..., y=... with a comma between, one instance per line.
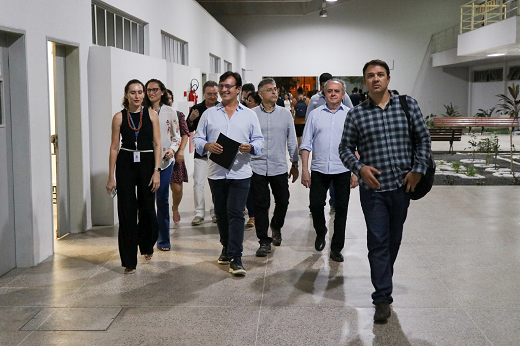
x=197, y=220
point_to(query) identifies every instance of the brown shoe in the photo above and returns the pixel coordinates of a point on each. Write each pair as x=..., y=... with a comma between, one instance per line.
x=250, y=222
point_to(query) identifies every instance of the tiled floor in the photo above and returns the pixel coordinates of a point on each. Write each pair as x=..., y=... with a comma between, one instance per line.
x=456, y=282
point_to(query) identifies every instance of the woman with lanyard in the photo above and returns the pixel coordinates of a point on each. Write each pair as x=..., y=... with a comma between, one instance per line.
x=179, y=173
x=157, y=99
x=138, y=165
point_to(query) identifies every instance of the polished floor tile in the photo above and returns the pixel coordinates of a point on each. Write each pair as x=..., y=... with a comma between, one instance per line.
x=455, y=283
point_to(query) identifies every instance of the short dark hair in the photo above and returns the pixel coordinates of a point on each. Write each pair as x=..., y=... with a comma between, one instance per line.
x=125, y=102
x=236, y=75
x=164, y=96
x=325, y=77
x=376, y=62
x=255, y=97
x=209, y=84
x=300, y=91
x=250, y=87
x=266, y=81
x=355, y=90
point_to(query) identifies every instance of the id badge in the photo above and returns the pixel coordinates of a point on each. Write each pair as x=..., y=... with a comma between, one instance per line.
x=137, y=156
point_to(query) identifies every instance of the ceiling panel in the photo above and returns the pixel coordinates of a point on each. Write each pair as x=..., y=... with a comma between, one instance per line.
x=221, y=8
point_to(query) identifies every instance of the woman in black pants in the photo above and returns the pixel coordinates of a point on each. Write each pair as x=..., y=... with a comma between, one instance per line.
x=138, y=165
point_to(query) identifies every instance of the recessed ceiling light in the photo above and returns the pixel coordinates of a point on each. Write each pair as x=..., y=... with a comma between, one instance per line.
x=497, y=54
x=332, y=0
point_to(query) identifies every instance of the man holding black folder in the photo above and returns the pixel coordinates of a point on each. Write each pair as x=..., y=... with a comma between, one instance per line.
x=270, y=167
x=221, y=130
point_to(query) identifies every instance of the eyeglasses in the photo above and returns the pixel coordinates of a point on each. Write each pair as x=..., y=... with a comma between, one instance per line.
x=152, y=90
x=270, y=90
x=226, y=86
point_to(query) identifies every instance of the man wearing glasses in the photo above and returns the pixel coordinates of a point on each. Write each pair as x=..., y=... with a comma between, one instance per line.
x=200, y=167
x=230, y=187
x=270, y=167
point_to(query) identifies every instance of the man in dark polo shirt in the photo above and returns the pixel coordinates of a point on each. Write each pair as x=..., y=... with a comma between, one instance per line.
x=200, y=167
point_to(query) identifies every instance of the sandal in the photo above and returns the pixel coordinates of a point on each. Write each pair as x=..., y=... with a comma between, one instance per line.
x=164, y=248
x=129, y=270
x=148, y=257
x=176, y=216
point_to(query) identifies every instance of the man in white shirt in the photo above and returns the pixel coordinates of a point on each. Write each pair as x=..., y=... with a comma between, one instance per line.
x=322, y=136
x=230, y=187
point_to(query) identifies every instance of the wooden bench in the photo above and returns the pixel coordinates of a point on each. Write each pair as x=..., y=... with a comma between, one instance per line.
x=448, y=135
x=460, y=122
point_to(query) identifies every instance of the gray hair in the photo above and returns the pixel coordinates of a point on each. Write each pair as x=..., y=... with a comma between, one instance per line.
x=264, y=82
x=335, y=80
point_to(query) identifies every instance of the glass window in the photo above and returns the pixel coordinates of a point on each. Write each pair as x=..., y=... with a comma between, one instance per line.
x=127, y=35
x=119, y=32
x=174, y=49
x=214, y=64
x=110, y=30
x=135, y=46
x=228, y=66
x=115, y=29
x=100, y=18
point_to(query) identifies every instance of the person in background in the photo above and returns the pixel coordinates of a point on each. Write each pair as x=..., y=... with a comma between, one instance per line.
x=299, y=105
x=254, y=100
x=157, y=99
x=138, y=161
x=287, y=103
x=247, y=89
x=179, y=173
x=230, y=187
x=355, y=97
x=200, y=166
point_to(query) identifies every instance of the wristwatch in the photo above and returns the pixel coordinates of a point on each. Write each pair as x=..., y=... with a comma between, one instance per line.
x=158, y=169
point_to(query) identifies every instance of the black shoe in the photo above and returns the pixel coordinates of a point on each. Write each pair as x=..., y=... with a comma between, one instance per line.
x=319, y=244
x=223, y=259
x=263, y=250
x=277, y=236
x=336, y=256
x=382, y=313
x=236, y=267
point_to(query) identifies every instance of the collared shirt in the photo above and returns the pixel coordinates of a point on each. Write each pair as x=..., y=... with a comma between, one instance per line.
x=322, y=135
x=382, y=140
x=279, y=135
x=170, y=133
x=242, y=127
x=318, y=100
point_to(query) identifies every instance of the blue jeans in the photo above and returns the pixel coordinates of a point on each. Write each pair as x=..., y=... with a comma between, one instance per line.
x=163, y=209
x=230, y=196
x=385, y=214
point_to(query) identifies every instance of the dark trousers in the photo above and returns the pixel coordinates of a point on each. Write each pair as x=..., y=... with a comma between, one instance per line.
x=318, y=194
x=131, y=208
x=250, y=204
x=385, y=214
x=262, y=197
x=230, y=196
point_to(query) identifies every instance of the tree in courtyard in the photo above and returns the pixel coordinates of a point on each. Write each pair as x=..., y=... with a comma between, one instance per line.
x=511, y=106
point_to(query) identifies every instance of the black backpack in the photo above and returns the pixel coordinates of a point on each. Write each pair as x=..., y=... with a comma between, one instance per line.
x=301, y=108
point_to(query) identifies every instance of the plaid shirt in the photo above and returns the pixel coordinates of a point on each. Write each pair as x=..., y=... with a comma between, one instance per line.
x=382, y=139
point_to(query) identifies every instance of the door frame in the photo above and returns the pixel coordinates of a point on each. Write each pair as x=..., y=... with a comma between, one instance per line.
x=76, y=203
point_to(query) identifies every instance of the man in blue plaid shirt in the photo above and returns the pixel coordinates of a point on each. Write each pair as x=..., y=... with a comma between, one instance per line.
x=378, y=129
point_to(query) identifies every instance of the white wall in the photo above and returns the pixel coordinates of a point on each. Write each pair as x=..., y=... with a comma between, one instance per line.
x=70, y=22
x=352, y=34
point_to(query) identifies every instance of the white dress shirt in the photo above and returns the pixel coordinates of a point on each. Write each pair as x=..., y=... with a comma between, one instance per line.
x=170, y=133
x=242, y=127
x=322, y=135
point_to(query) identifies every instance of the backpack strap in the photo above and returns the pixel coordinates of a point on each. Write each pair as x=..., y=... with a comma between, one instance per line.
x=404, y=106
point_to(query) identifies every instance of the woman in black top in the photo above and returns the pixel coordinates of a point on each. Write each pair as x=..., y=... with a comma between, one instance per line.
x=138, y=165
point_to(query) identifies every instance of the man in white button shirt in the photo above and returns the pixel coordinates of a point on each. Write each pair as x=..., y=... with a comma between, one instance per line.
x=230, y=187
x=322, y=136
x=270, y=167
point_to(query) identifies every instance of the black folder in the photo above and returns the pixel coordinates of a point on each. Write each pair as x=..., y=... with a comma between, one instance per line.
x=230, y=150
